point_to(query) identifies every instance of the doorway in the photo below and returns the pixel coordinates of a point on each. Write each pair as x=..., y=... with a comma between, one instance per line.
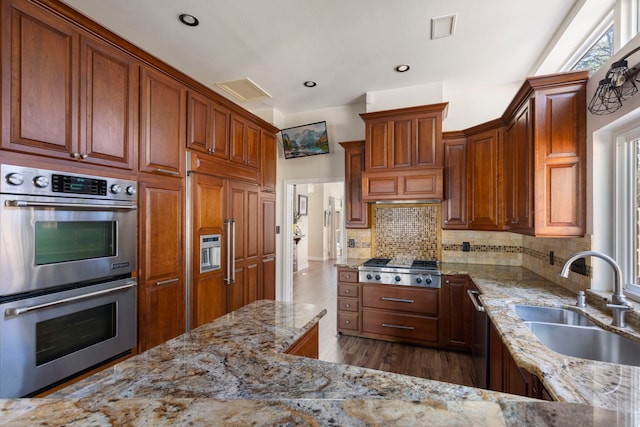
x=315, y=235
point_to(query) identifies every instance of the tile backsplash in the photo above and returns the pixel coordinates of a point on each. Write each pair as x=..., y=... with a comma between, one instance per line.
x=412, y=229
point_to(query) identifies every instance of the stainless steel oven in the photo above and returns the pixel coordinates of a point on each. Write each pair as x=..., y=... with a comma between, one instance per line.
x=48, y=338
x=67, y=254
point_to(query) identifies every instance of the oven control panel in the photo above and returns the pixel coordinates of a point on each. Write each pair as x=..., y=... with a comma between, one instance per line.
x=44, y=182
x=425, y=279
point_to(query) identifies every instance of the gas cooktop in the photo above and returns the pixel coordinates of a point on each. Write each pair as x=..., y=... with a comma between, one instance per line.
x=400, y=270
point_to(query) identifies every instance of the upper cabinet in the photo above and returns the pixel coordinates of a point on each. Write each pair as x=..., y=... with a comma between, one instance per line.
x=403, y=157
x=404, y=138
x=70, y=95
x=162, y=123
x=545, y=156
x=268, y=162
x=454, y=205
x=357, y=209
x=207, y=126
x=484, y=192
x=245, y=142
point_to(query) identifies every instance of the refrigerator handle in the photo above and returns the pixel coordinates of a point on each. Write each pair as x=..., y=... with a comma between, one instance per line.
x=233, y=253
x=230, y=253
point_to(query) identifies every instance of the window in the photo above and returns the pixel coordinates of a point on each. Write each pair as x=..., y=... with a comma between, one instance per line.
x=628, y=211
x=599, y=53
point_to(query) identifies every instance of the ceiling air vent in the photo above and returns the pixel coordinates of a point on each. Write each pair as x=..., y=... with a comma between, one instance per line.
x=244, y=89
x=443, y=26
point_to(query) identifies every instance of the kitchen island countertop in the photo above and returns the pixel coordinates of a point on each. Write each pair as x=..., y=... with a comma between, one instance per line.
x=233, y=371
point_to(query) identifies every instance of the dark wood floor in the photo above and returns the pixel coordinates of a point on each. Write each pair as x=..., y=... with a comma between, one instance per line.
x=317, y=285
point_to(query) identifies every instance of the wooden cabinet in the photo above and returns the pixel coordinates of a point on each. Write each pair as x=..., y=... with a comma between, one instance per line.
x=404, y=138
x=548, y=118
x=506, y=376
x=70, y=95
x=518, y=155
x=454, y=205
x=161, y=267
x=307, y=345
x=267, y=282
x=403, y=154
x=268, y=163
x=484, y=199
x=245, y=142
x=357, y=209
x=162, y=123
x=457, y=313
x=243, y=208
x=208, y=293
x=207, y=126
x=348, y=302
x=425, y=184
x=400, y=313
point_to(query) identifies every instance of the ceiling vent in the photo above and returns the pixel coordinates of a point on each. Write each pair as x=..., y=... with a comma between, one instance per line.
x=244, y=89
x=443, y=26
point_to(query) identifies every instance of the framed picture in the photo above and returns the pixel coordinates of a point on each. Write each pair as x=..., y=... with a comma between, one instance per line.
x=302, y=204
x=305, y=140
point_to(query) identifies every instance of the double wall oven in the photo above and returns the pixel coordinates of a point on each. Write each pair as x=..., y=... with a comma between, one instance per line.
x=67, y=295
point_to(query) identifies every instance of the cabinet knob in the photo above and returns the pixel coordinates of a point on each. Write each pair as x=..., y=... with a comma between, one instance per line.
x=75, y=155
x=84, y=156
x=347, y=321
x=348, y=291
x=348, y=276
x=446, y=281
x=446, y=221
x=347, y=305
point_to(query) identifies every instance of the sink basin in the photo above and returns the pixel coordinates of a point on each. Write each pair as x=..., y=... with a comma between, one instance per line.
x=587, y=343
x=562, y=316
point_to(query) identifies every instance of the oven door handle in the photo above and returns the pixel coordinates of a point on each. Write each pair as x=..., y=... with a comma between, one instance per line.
x=26, y=204
x=14, y=312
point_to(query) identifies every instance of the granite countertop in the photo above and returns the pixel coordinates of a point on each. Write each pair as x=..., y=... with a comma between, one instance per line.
x=233, y=371
x=568, y=379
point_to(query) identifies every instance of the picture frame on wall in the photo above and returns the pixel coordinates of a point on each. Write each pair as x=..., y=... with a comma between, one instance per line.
x=302, y=204
x=305, y=140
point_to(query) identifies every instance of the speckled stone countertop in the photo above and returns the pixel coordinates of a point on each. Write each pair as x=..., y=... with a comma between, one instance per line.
x=233, y=372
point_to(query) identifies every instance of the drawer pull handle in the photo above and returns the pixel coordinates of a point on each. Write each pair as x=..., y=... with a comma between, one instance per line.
x=390, y=325
x=397, y=300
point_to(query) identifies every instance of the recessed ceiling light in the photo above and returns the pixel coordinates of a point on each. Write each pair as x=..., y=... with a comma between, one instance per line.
x=189, y=20
x=402, y=68
x=310, y=83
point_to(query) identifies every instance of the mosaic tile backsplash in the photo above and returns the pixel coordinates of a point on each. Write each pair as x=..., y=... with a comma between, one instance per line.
x=407, y=230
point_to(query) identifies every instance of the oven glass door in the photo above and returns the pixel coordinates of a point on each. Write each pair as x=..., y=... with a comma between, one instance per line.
x=47, y=243
x=46, y=339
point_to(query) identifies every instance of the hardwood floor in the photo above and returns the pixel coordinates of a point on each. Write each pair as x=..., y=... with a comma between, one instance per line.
x=317, y=285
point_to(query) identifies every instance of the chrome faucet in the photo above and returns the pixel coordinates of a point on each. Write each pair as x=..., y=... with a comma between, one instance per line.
x=619, y=304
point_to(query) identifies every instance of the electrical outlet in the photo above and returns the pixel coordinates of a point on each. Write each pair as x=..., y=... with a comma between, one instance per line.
x=551, y=258
x=352, y=243
x=277, y=229
x=466, y=247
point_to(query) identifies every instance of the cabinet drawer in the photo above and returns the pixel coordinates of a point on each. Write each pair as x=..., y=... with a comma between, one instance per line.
x=348, y=276
x=401, y=298
x=348, y=304
x=400, y=325
x=346, y=290
x=348, y=321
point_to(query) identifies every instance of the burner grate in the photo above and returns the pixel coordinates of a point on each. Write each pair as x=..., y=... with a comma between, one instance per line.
x=377, y=262
x=425, y=263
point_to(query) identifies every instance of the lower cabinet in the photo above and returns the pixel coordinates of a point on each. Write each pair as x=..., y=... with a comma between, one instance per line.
x=506, y=376
x=348, y=302
x=456, y=328
x=307, y=345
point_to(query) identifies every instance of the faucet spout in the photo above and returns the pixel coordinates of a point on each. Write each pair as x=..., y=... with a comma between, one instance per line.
x=619, y=303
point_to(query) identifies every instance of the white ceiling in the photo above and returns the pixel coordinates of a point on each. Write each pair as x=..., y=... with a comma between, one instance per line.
x=349, y=47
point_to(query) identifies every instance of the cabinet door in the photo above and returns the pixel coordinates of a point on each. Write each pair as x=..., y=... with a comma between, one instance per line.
x=377, y=135
x=162, y=307
x=162, y=124
x=269, y=151
x=495, y=360
x=267, y=279
x=109, y=105
x=518, y=158
x=243, y=206
x=402, y=142
x=245, y=142
x=457, y=313
x=41, y=82
x=357, y=209
x=454, y=205
x=208, y=290
x=198, y=121
x=428, y=141
x=484, y=199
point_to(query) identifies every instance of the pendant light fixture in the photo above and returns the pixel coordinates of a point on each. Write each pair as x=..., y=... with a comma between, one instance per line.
x=618, y=85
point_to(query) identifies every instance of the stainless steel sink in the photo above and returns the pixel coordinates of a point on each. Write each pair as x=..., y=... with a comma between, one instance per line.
x=590, y=343
x=552, y=315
